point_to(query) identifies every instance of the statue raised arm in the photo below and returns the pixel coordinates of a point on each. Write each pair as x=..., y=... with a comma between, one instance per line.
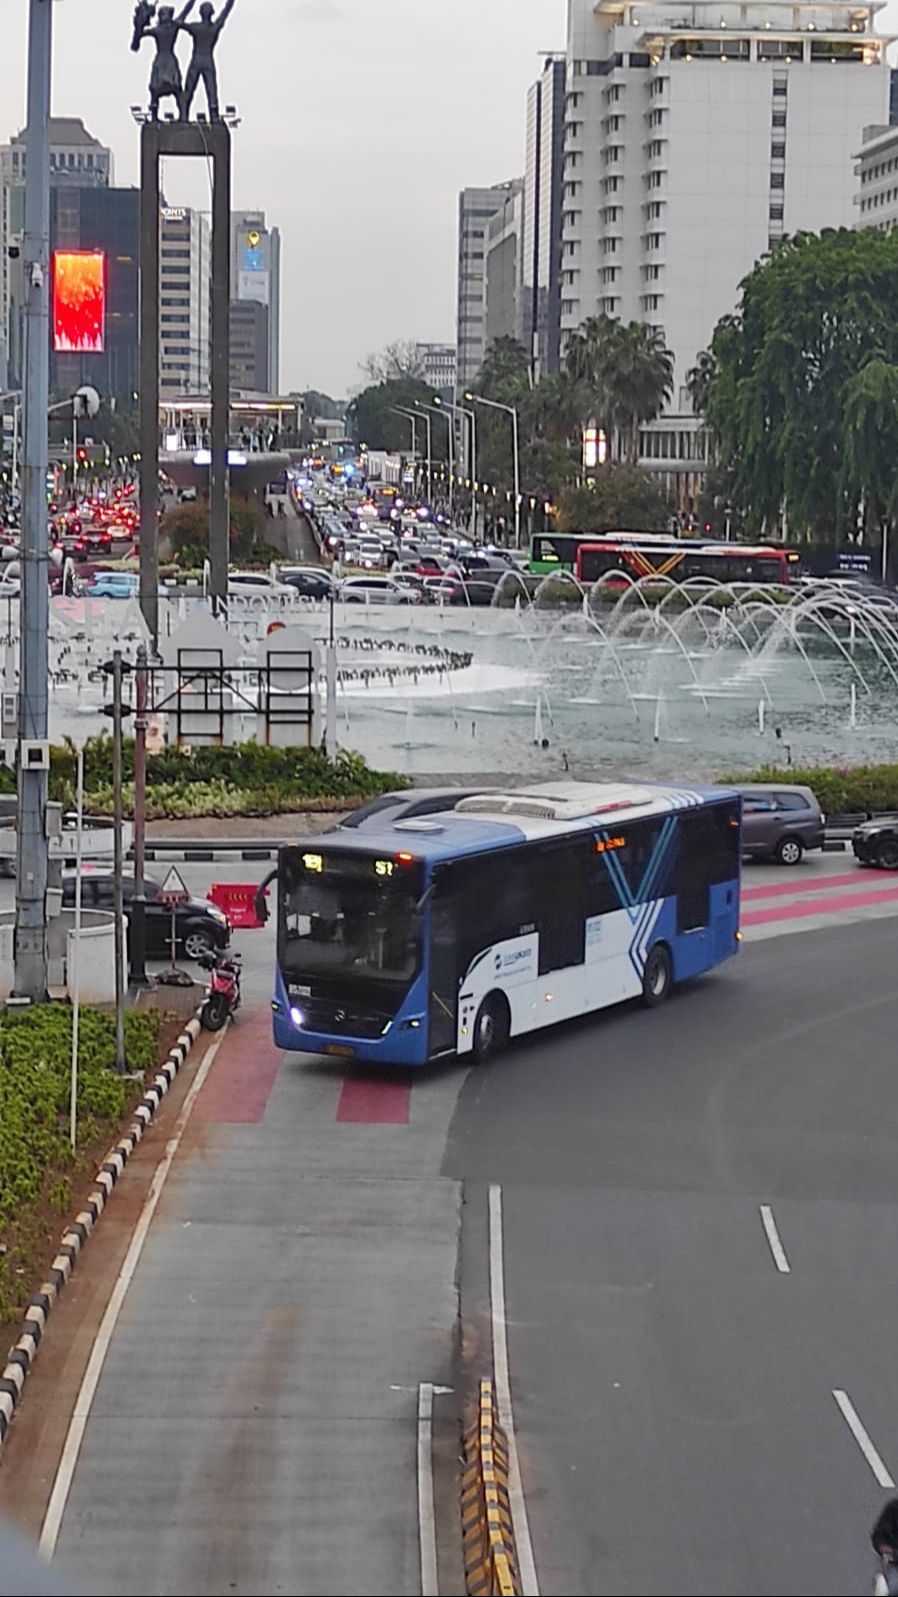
x=165, y=78
x=205, y=35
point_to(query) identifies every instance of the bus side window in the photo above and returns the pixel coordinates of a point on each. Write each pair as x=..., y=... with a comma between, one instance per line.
x=708, y=854
x=560, y=872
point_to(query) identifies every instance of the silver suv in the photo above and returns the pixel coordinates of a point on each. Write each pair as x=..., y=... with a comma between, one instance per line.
x=779, y=823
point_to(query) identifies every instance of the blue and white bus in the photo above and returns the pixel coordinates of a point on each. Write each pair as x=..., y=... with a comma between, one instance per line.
x=405, y=942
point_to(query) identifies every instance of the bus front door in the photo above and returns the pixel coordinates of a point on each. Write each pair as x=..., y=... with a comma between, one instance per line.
x=443, y=1006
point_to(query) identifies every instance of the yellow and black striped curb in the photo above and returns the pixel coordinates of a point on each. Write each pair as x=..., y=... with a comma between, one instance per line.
x=491, y=1564
x=23, y=1355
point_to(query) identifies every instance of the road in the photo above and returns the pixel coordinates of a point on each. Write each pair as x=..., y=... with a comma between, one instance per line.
x=254, y=1425
x=673, y=1390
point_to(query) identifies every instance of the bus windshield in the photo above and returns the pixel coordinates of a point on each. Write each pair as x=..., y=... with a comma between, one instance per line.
x=348, y=920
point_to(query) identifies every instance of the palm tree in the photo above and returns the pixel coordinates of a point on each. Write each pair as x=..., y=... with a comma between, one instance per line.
x=699, y=379
x=628, y=372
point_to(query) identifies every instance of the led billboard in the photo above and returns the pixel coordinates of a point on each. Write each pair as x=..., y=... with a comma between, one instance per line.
x=79, y=301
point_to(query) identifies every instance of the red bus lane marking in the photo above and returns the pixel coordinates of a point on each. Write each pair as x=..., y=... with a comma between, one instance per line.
x=238, y=1090
x=374, y=1103
x=818, y=884
x=818, y=906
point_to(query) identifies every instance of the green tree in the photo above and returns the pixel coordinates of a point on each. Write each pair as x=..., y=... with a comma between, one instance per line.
x=623, y=496
x=371, y=418
x=399, y=362
x=698, y=381
x=627, y=371
x=801, y=402
x=505, y=373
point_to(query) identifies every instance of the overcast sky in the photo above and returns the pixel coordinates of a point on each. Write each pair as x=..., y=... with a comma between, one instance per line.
x=361, y=121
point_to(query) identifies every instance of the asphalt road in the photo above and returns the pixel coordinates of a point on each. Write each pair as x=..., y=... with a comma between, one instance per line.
x=673, y=1390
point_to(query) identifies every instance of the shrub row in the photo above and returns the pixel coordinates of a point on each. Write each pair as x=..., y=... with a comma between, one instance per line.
x=246, y=779
x=36, y=1158
x=840, y=789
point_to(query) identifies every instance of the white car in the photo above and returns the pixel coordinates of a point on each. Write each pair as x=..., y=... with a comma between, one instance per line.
x=252, y=584
x=376, y=590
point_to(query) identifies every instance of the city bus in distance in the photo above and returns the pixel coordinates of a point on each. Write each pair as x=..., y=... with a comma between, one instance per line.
x=601, y=559
x=448, y=934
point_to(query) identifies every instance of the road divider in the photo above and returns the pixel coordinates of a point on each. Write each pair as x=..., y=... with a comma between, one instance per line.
x=491, y=1565
x=25, y=1351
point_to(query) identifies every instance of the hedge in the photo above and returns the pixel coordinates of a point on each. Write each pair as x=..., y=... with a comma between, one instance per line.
x=245, y=779
x=36, y=1158
x=840, y=789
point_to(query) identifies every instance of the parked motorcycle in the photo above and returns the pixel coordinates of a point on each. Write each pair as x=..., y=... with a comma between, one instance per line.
x=223, y=991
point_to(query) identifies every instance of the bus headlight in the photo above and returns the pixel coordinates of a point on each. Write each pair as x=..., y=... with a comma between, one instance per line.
x=297, y=1016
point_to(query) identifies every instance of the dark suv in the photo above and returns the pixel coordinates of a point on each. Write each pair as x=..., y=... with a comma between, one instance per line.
x=200, y=928
x=779, y=823
x=876, y=843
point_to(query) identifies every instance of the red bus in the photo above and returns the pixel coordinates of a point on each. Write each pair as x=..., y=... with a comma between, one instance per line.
x=682, y=558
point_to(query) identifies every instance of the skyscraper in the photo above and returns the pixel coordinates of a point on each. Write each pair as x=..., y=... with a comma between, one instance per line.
x=475, y=207
x=77, y=160
x=185, y=253
x=255, y=280
x=697, y=136
x=503, y=283
x=541, y=240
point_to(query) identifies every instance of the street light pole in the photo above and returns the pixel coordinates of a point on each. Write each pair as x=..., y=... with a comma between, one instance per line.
x=31, y=864
x=409, y=415
x=510, y=410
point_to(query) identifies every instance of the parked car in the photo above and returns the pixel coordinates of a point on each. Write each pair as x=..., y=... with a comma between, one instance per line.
x=261, y=584
x=780, y=823
x=876, y=843
x=308, y=581
x=416, y=803
x=376, y=590
x=200, y=928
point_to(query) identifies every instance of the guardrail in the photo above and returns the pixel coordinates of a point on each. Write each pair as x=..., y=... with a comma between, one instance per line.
x=491, y=1565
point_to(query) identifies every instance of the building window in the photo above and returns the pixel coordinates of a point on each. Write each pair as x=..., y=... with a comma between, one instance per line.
x=609, y=246
x=781, y=89
x=777, y=180
x=779, y=119
x=776, y=213
x=778, y=152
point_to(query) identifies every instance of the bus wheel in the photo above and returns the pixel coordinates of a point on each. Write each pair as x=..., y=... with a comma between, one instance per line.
x=657, y=978
x=491, y=1028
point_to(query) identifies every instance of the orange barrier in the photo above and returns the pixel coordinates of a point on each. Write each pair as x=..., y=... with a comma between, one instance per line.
x=238, y=902
x=487, y=1534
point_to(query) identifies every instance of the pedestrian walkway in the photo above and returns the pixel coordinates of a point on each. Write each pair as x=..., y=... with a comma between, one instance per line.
x=254, y=1428
x=803, y=900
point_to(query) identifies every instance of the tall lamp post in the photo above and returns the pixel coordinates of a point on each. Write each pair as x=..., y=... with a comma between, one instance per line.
x=462, y=410
x=428, y=469
x=32, y=862
x=432, y=410
x=511, y=410
x=413, y=417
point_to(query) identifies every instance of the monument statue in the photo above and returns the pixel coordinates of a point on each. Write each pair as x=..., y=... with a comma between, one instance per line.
x=165, y=79
x=205, y=35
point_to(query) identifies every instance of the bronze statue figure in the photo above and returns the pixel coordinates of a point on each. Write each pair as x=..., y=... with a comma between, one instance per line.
x=205, y=35
x=165, y=79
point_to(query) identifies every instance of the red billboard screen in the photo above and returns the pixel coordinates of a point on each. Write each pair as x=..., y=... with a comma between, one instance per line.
x=79, y=301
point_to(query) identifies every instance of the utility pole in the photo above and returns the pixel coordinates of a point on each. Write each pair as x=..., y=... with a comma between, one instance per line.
x=138, y=928
x=117, y=860
x=31, y=863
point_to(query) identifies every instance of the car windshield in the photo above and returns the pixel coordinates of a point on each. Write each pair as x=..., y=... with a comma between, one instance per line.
x=348, y=918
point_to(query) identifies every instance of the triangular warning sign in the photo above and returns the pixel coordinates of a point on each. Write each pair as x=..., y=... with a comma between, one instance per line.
x=173, y=890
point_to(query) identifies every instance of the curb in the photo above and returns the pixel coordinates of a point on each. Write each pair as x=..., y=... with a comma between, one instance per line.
x=184, y=853
x=25, y=1351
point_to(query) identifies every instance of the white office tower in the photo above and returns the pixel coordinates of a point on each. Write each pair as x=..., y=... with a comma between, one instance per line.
x=184, y=303
x=696, y=136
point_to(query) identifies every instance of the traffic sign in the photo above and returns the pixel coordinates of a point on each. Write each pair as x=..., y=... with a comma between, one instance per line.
x=173, y=891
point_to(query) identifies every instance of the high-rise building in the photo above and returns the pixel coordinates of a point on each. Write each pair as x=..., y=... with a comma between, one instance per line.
x=184, y=302
x=475, y=207
x=438, y=367
x=697, y=136
x=503, y=280
x=876, y=197
x=541, y=240
x=77, y=160
x=256, y=280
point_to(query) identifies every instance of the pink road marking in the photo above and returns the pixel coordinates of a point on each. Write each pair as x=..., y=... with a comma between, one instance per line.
x=811, y=885
x=818, y=906
x=237, y=1091
x=374, y=1103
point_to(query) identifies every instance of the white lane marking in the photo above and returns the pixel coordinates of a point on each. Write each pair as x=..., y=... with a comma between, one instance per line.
x=519, y=1519
x=852, y=1420
x=427, y=1532
x=773, y=1237
x=62, y=1485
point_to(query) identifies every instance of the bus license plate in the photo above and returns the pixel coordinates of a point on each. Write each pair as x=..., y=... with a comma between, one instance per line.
x=340, y=1049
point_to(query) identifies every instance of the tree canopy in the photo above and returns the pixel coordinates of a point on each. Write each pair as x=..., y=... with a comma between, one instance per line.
x=622, y=496
x=371, y=418
x=800, y=388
